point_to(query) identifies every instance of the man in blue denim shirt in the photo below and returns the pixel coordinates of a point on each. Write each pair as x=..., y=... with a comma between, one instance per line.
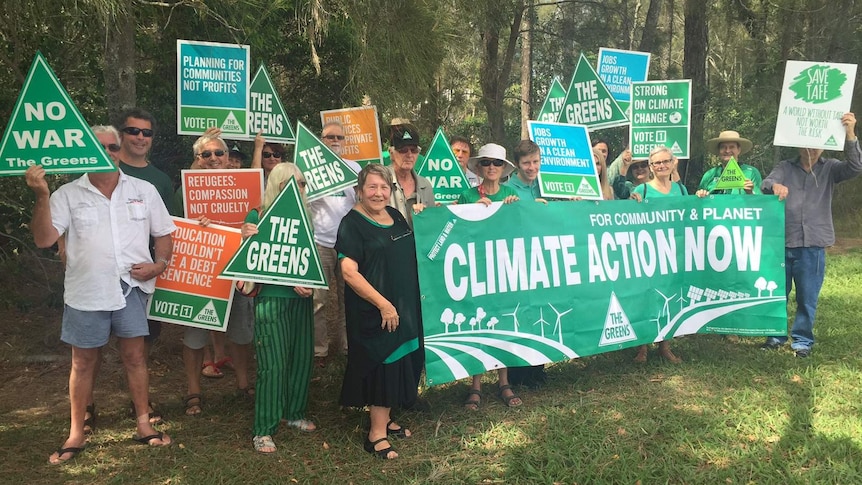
x=806, y=183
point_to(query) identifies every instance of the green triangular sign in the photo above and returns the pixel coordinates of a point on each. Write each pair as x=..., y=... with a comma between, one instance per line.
x=283, y=250
x=831, y=141
x=324, y=171
x=47, y=129
x=443, y=170
x=208, y=315
x=731, y=177
x=588, y=101
x=585, y=189
x=266, y=113
x=553, y=102
x=618, y=328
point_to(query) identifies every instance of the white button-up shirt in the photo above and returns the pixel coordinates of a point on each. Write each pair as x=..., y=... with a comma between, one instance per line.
x=105, y=237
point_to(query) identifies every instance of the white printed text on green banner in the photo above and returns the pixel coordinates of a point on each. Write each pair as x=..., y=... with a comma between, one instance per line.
x=588, y=101
x=266, y=114
x=441, y=168
x=325, y=172
x=661, y=115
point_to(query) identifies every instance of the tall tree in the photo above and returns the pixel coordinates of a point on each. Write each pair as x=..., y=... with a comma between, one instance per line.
x=694, y=68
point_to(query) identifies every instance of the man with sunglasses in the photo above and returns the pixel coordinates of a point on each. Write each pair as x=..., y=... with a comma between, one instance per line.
x=326, y=214
x=408, y=187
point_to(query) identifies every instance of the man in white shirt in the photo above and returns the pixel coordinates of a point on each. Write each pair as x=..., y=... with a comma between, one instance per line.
x=326, y=215
x=107, y=219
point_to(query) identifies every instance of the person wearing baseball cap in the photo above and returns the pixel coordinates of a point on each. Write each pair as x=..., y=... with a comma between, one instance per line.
x=729, y=145
x=409, y=189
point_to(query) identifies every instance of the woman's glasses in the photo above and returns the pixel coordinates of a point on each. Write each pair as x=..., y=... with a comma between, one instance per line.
x=271, y=154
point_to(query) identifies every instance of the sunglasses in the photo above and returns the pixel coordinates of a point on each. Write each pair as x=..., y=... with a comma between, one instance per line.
x=131, y=130
x=271, y=154
x=488, y=162
x=208, y=153
x=411, y=149
x=113, y=147
x=640, y=166
x=334, y=137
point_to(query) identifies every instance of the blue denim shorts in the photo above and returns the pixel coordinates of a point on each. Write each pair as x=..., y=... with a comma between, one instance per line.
x=91, y=329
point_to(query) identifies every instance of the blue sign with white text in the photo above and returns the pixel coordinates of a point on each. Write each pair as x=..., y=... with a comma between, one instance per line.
x=619, y=68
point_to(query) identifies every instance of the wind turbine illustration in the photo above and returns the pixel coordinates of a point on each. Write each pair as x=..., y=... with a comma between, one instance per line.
x=542, y=321
x=666, y=309
x=681, y=300
x=657, y=321
x=514, y=315
x=558, y=328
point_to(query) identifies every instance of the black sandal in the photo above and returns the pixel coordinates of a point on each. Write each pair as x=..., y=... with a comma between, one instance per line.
x=398, y=432
x=90, y=423
x=382, y=454
x=155, y=417
x=198, y=403
x=508, y=400
x=473, y=403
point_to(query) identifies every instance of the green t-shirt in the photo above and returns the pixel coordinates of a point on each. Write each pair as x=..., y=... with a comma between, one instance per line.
x=153, y=175
x=471, y=195
x=522, y=190
x=648, y=192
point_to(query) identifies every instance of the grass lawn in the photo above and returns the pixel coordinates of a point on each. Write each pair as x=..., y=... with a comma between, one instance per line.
x=730, y=413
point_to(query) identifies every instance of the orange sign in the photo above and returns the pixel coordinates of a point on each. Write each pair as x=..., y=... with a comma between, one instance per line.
x=223, y=196
x=361, y=133
x=200, y=254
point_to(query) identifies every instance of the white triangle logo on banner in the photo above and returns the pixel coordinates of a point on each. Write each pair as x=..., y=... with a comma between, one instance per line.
x=676, y=148
x=618, y=328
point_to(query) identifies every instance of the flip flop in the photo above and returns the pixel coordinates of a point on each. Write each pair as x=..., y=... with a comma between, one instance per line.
x=74, y=450
x=145, y=440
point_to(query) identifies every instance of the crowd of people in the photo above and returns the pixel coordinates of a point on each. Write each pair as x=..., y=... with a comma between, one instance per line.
x=115, y=231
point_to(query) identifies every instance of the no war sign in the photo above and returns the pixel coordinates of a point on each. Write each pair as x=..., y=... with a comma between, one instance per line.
x=47, y=129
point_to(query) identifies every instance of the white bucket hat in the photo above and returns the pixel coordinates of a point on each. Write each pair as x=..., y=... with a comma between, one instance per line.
x=491, y=151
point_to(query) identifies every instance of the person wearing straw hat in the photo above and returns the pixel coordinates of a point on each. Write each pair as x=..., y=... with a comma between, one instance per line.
x=492, y=166
x=729, y=145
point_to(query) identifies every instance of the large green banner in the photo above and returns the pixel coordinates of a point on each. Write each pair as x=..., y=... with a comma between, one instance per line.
x=529, y=283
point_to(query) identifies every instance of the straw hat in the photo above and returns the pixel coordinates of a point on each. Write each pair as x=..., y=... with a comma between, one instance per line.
x=491, y=151
x=728, y=136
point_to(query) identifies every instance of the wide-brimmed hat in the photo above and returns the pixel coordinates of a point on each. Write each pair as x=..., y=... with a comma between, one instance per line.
x=729, y=136
x=491, y=151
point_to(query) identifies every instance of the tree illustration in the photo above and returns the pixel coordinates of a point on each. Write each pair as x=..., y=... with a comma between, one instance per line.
x=459, y=319
x=770, y=287
x=480, y=315
x=760, y=284
x=447, y=318
x=473, y=323
x=492, y=322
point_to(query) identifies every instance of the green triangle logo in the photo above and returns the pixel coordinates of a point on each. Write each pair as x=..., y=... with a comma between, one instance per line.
x=47, y=129
x=830, y=142
x=731, y=177
x=442, y=169
x=324, y=171
x=550, y=111
x=231, y=124
x=266, y=114
x=585, y=189
x=588, y=101
x=283, y=251
x=208, y=315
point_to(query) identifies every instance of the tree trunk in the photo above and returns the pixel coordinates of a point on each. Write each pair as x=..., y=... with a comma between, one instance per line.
x=694, y=68
x=650, y=27
x=526, y=71
x=120, y=55
x=495, y=72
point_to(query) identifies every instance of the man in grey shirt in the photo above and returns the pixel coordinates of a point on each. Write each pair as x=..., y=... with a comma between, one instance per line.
x=807, y=183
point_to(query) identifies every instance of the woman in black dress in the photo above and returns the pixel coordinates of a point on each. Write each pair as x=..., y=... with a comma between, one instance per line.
x=381, y=299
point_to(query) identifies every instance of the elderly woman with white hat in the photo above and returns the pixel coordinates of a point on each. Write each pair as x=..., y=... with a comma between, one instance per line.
x=491, y=165
x=729, y=145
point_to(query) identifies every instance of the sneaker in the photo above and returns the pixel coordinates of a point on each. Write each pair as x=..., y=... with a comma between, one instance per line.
x=803, y=353
x=770, y=345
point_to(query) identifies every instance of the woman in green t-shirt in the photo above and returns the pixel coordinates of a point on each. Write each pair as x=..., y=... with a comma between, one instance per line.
x=490, y=164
